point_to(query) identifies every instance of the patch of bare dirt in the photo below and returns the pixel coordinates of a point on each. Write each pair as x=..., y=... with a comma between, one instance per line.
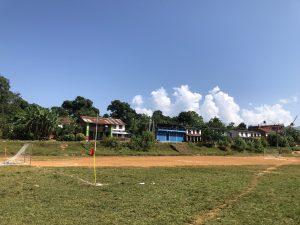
x=164, y=161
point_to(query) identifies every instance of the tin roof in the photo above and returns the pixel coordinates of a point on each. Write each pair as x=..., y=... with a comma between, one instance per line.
x=102, y=121
x=65, y=120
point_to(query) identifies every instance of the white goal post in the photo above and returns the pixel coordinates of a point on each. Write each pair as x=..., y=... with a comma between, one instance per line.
x=23, y=157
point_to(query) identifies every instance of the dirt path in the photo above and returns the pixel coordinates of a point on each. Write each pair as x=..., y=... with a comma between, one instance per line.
x=164, y=161
x=213, y=213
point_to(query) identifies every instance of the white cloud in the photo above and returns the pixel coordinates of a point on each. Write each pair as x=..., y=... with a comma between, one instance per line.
x=145, y=111
x=209, y=109
x=228, y=109
x=186, y=100
x=285, y=101
x=161, y=101
x=138, y=100
x=216, y=104
x=269, y=113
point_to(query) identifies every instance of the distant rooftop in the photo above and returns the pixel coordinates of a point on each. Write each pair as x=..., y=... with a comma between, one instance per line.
x=102, y=121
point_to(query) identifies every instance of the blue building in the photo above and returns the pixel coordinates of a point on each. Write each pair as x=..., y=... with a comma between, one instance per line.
x=170, y=133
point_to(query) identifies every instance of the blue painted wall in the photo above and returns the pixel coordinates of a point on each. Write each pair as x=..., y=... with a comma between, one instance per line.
x=170, y=136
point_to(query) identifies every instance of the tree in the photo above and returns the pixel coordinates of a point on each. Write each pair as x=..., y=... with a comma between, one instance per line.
x=34, y=123
x=123, y=111
x=190, y=118
x=239, y=144
x=230, y=126
x=242, y=126
x=159, y=118
x=277, y=140
x=80, y=106
x=10, y=104
x=215, y=123
x=213, y=131
x=295, y=134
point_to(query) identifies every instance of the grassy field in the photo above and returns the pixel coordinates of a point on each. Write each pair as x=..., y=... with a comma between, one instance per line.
x=146, y=195
x=275, y=201
x=53, y=148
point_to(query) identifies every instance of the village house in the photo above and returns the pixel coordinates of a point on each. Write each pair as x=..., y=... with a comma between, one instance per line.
x=243, y=134
x=193, y=135
x=106, y=127
x=265, y=130
x=170, y=133
x=177, y=133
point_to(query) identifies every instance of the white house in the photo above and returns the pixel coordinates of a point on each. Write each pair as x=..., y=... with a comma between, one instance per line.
x=244, y=134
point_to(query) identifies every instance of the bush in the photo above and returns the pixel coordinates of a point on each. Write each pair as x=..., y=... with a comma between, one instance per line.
x=239, y=144
x=80, y=137
x=258, y=146
x=135, y=143
x=67, y=137
x=111, y=142
x=143, y=142
x=264, y=142
x=224, y=144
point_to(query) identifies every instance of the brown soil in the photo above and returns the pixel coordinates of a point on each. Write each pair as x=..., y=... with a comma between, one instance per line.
x=163, y=161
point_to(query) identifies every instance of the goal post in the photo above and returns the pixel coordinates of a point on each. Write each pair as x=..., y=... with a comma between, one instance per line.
x=22, y=157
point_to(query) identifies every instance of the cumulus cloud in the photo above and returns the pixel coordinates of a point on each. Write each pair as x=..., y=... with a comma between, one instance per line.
x=162, y=101
x=209, y=109
x=270, y=113
x=216, y=103
x=228, y=109
x=138, y=100
x=186, y=100
x=145, y=111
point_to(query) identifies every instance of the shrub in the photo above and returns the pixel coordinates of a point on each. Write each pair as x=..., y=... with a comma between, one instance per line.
x=67, y=137
x=80, y=137
x=135, y=143
x=224, y=143
x=239, y=144
x=258, y=146
x=111, y=142
x=264, y=142
x=143, y=142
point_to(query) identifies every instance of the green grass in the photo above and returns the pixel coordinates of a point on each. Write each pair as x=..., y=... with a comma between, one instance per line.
x=57, y=148
x=275, y=201
x=169, y=195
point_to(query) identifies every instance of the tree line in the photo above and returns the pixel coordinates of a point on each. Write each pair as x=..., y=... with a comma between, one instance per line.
x=22, y=120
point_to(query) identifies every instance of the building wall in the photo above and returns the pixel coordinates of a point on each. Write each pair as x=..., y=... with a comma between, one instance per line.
x=169, y=136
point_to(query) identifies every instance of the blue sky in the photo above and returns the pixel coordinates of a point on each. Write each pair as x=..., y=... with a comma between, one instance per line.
x=105, y=50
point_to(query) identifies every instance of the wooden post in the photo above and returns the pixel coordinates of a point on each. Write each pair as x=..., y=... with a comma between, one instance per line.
x=5, y=151
x=30, y=153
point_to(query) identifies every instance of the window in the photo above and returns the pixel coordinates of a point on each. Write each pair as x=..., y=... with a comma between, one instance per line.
x=114, y=127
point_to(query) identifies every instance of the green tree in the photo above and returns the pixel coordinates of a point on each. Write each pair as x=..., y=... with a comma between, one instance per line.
x=123, y=111
x=80, y=106
x=213, y=131
x=242, y=126
x=10, y=105
x=159, y=118
x=34, y=123
x=239, y=144
x=190, y=118
x=216, y=123
x=277, y=140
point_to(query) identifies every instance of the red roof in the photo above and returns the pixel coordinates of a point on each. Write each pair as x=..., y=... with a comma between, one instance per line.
x=102, y=121
x=266, y=130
